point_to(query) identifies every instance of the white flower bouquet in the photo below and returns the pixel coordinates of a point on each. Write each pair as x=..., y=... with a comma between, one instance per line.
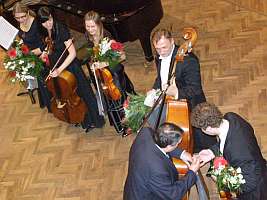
x=228, y=178
x=108, y=51
x=21, y=63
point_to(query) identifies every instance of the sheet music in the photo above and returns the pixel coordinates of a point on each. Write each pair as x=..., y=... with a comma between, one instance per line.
x=7, y=33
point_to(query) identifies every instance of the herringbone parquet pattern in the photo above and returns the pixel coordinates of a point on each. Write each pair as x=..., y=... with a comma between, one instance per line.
x=43, y=158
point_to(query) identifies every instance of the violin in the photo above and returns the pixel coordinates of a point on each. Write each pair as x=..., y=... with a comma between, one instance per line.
x=66, y=105
x=109, y=88
x=49, y=45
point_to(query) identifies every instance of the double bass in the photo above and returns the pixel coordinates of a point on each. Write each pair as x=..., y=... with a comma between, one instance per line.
x=177, y=112
x=66, y=105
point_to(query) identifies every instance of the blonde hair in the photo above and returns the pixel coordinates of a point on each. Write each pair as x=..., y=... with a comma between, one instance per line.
x=21, y=8
x=95, y=17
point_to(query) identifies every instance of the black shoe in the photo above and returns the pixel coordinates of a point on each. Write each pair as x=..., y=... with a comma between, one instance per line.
x=126, y=132
x=89, y=128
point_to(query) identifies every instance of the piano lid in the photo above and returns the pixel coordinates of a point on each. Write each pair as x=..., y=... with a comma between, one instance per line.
x=103, y=6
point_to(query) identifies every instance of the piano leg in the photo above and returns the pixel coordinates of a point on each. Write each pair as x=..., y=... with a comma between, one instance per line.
x=146, y=46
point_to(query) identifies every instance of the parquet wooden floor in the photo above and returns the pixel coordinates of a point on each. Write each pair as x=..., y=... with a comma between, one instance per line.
x=42, y=158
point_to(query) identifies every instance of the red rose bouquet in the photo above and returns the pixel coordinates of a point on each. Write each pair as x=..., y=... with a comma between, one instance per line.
x=21, y=63
x=135, y=111
x=108, y=51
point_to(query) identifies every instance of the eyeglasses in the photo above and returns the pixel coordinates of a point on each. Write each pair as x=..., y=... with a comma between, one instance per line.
x=21, y=17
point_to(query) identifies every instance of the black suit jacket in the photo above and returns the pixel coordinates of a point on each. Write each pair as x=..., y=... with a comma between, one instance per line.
x=241, y=150
x=188, y=78
x=151, y=174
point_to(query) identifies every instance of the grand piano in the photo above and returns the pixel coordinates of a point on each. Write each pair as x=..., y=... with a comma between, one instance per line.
x=127, y=20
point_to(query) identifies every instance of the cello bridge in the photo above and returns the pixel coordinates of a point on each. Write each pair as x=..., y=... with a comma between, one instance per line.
x=60, y=105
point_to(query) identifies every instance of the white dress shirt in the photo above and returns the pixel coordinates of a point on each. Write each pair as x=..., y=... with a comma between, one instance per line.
x=223, y=134
x=181, y=156
x=165, y=67
x=162, y=151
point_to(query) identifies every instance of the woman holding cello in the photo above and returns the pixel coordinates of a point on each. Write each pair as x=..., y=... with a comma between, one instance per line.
x=62, y=52
x=95, y=32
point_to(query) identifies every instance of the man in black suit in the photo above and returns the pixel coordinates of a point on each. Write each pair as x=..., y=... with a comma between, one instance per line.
x=238, y=145
x=187, y=79
x=151, y=173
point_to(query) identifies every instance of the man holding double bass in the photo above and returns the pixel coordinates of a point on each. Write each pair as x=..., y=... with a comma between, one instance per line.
x=187, y=82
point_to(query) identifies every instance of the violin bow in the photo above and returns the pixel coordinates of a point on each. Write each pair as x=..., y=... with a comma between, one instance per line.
x=98, y=90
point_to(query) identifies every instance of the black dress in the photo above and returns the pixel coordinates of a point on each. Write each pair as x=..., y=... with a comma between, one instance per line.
x=60, y=34
x=114, y=108
x=32, y=38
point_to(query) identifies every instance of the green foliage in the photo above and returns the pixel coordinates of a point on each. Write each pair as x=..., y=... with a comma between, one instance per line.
x=136, y=111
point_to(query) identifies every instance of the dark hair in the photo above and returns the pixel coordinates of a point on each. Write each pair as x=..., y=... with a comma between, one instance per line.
x=167, y=134
x=159, y=33
x=44, y=13
x=206, y=114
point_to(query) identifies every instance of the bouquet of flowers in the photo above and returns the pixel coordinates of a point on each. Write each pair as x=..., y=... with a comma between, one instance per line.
x=21, y=63
x=108, y=51
x=135, y=110
x=228, y=179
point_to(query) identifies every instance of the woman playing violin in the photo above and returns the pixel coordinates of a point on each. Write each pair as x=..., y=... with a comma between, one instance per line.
x=94, y=34
x=60, y=35
x=30, y=34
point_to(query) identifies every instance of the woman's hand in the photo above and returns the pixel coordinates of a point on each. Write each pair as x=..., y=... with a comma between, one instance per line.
x=98, y=65
x=55, y=73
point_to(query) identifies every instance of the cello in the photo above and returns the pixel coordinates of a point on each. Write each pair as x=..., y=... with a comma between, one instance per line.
x=66, y=105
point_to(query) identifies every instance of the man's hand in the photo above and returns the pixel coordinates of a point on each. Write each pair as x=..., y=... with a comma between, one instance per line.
x=150, y=98
x=195, y=165
x=205, y=156
x=185, y=156
x=172, y=90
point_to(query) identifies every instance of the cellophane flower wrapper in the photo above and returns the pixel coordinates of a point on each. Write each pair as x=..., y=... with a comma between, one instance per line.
x=21, y=63
x=135, y=111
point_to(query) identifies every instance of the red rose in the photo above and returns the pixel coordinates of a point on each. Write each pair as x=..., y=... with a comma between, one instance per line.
x=12, y=53
x=117, y=46
x=12, y=73
x=126, y=103
x=25, y=50
x=219, y=161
